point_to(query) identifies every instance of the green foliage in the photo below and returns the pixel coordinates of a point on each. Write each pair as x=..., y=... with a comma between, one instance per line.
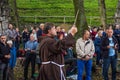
x=62, y=8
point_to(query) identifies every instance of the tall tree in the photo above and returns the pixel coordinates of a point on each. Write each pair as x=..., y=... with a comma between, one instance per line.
x=81, y=21
x=15, y=18
x=4, y=15
x=103, y=16
x=16, y=13
x=117, y=14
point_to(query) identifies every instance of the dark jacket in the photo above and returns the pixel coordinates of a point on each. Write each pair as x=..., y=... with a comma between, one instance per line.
x=25, y=36
x=4, y=50
x=104, y=44
x=117, y=33
x=97, y=44
x=39, y=33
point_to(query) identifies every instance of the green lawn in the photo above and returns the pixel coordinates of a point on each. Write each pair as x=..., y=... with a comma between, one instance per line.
x=62, y=8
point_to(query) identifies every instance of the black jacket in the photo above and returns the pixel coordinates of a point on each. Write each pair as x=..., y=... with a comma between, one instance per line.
x=39, y=33
x=104, y=44
x=25, y=36
x=4, y=50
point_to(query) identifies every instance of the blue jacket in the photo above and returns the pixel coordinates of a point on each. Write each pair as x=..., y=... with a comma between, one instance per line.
x=97, y=44
x=12, y=61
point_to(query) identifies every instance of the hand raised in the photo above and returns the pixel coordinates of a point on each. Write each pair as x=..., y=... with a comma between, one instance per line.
x=73, y=30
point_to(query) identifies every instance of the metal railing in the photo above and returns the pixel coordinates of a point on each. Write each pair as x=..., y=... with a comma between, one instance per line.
x=90, y=18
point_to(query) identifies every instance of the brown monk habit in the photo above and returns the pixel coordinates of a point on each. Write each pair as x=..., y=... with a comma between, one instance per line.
x=51, y=56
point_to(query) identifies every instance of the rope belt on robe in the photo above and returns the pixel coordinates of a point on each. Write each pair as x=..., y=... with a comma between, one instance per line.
x=60, y=66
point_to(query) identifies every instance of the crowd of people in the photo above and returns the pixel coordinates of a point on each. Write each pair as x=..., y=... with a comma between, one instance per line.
x=49, y=47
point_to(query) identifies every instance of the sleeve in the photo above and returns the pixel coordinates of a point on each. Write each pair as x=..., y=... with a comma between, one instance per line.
x=78, y=50
x=23, y=36
x=96, y=42
x=103, y=44
x=61, y=45
x=15, y=34
x=26, y=45
x=39, y=33
x=36, y=45
x=37, y=49
x=1, y=55
x=116, y=42
x=92, y=51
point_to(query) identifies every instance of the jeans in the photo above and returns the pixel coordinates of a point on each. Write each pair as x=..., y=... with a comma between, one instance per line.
x=98, y=57
x=30, y=57
x=106, y=63
x=3, y=71
x=88, y=67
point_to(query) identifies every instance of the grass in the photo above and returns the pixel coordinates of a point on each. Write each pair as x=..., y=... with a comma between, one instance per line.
x=63, y=8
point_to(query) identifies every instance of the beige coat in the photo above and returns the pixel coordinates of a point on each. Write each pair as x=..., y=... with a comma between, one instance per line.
x=84, y=48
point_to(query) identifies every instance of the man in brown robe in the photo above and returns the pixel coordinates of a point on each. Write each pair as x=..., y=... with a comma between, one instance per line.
x=52, y=67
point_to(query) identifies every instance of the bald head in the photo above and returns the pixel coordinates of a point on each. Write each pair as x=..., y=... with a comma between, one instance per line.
x=32, y=37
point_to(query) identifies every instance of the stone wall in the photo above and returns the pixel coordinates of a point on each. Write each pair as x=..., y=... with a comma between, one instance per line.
x=4, y=15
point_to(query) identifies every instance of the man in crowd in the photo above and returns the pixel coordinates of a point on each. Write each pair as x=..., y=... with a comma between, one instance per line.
x=17, y=41
x=93, y=33
x=97, y=44
x=52, y=67
x=25, y=36
x=11, y=33
x=4, y=57
x=85, y=50
x=117, y=34
x=40, y=31
x=30, y=56
x=109, y=53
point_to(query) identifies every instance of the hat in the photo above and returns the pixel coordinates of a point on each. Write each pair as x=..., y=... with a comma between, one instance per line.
x=9, y=42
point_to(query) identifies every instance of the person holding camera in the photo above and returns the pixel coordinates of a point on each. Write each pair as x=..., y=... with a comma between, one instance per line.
x=30, y=56
x=109, y=48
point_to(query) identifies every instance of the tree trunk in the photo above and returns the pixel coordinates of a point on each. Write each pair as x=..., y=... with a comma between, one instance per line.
x=117, y=14
x=14, y=12
x=81, y=22
x=102, y=8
